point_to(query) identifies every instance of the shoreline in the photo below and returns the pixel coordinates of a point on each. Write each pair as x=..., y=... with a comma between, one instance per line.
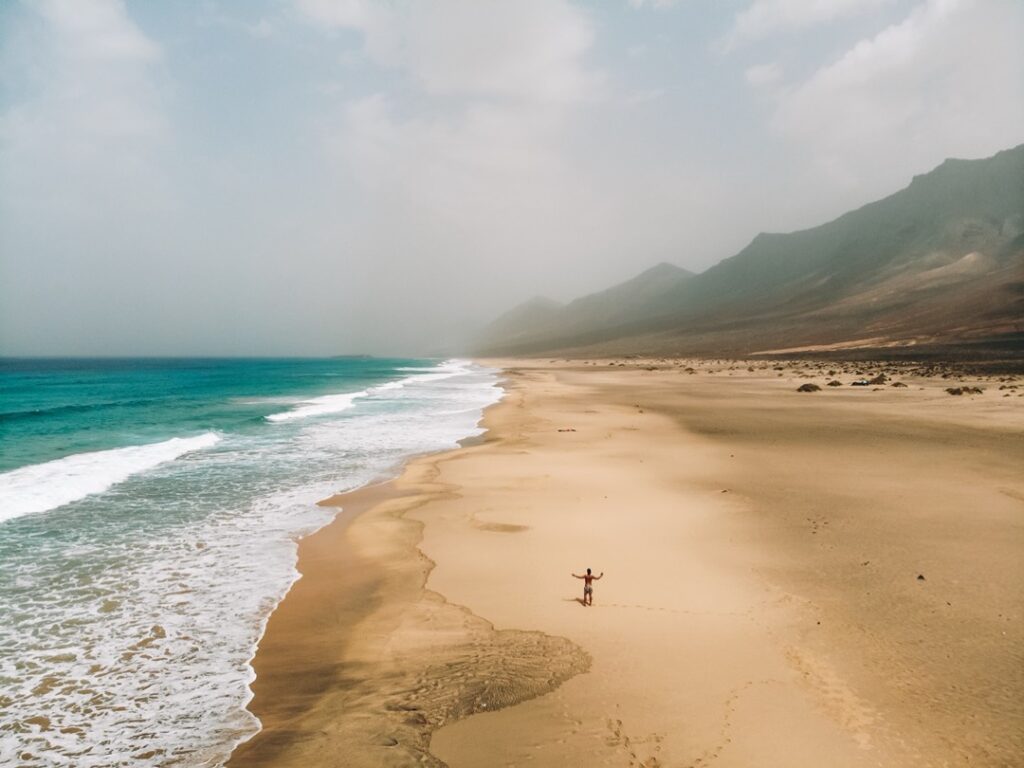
x=362, y=584
x=276, y=697
x=745, y=567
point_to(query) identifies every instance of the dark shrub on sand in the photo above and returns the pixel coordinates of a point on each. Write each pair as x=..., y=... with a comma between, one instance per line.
x=808, y=388
x=835, y=383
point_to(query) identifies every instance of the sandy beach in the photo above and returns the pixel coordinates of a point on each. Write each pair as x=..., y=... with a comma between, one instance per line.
x=791, y=579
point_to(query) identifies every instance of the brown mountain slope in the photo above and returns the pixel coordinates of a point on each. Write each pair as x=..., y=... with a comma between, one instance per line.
x=940, y=262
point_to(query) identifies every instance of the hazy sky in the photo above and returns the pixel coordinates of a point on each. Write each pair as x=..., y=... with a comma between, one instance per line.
x=327, y=176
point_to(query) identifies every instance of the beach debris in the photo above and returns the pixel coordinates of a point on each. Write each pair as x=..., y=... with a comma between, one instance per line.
x=567, y=429
x=897, y=384
x=860, y=383
x=835, y=383
x=920, y=577
x=808, y=388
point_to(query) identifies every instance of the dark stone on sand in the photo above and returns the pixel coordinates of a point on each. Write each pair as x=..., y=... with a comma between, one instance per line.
x=920, y=577
x=879, y=379
x=808, y=388
x=835, y=383
x=897, y=384
x=964, y=390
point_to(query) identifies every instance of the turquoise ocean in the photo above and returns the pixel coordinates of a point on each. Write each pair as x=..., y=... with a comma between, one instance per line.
x=149, y=512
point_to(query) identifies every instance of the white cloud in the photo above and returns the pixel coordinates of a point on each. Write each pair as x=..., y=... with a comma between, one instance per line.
x=532, y=49
x=762, y=75
x=471, y=166
x=485, y=147
x=764, y=18
x=500, y=156
x=98, y=30
x=447, y=164
x=645, y=95
x=658, y=5
x=95, y=115
x=82, y=172
x=262, y=29
x=946, y=80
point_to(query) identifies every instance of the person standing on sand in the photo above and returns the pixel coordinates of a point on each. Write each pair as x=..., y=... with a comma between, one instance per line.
x=588, y=587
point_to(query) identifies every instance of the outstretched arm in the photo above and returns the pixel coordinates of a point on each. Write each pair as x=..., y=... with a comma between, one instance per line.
x=598, y=577
x=577, y=577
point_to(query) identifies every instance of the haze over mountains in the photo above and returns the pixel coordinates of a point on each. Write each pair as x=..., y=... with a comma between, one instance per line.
x=940, y=262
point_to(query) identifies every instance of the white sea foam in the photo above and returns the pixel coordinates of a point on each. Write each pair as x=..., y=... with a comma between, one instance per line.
x=42, y=487
x=338, y=403
x=320, y=406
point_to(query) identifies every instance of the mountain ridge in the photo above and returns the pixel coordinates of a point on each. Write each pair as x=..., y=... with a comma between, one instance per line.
x=892, y=269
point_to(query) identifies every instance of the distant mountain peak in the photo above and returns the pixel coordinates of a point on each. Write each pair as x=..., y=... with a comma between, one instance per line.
x=665, y=268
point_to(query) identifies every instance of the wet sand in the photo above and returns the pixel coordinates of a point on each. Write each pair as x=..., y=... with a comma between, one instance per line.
x=761, y=605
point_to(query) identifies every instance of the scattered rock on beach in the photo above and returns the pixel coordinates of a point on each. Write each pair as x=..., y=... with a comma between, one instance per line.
x=835, y=383
x=964, y=390
x=808, y=388
x=897, y=384
x=920, y=577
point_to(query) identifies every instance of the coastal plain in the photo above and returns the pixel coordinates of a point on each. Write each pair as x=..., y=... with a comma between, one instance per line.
x=790, y=579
